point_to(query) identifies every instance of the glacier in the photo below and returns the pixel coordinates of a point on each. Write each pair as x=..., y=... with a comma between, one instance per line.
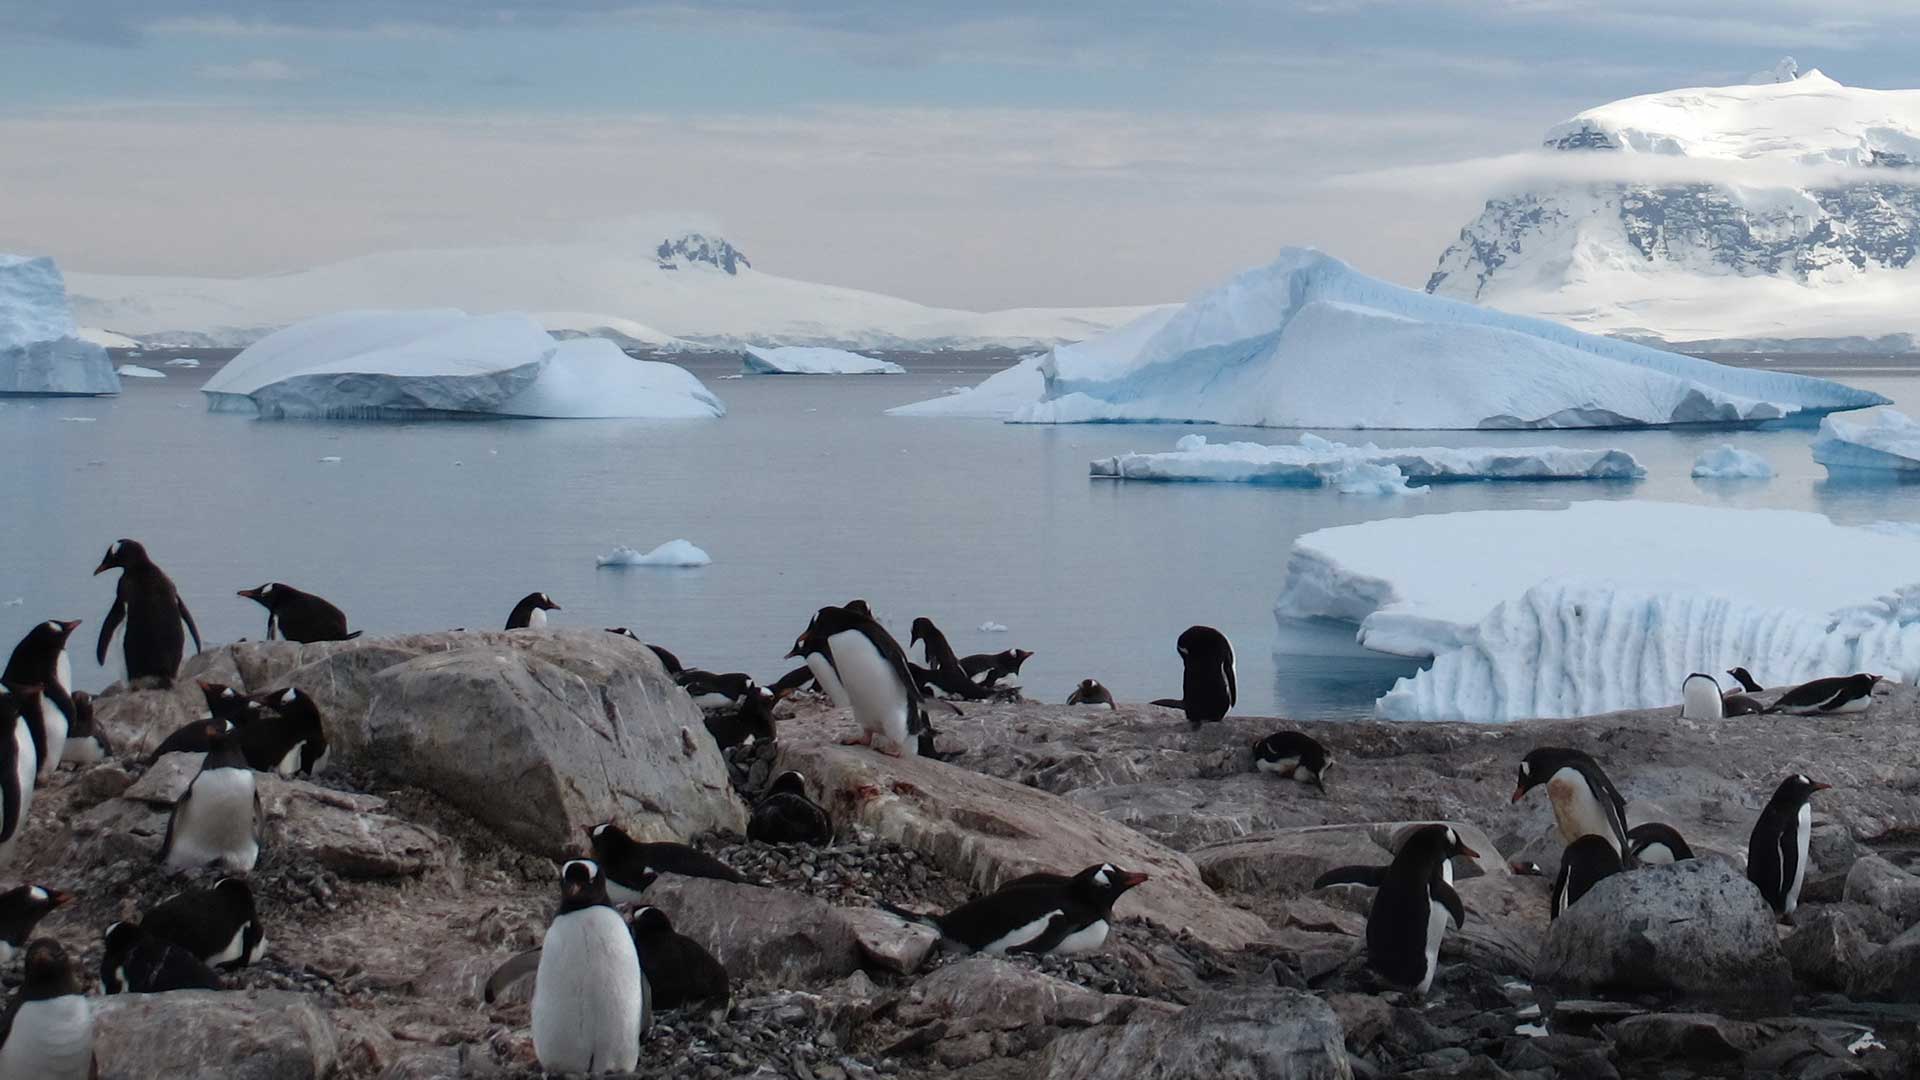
x=447, y=363
x=41, y=351
x=1728, y=462
x=1308, y=341
x=812, y=360
x=1317, y=462
x=673, y=553
x=1886, y=442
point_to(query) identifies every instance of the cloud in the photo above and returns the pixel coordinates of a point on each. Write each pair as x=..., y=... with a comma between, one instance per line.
x=1512, y=172
x=259, y=69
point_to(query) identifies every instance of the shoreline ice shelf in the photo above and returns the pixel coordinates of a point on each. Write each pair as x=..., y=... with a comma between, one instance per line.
x=42, y=353
x=1319, y=462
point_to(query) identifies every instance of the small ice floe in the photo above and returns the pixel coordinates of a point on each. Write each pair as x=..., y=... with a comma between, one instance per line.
x=330, y=459
x=18, y=601
x=1726, y=462
x=1367, y=478
x=671, y=553
x=184, y=361
x=991, y=627
x=78, y=419
x=135, y=371
x=732, y=376
x=1864, y=1043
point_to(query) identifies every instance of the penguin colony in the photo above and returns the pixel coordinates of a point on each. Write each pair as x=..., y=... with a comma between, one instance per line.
x=609, y=958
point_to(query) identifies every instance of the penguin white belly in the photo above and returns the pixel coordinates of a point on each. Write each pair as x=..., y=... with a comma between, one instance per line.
x=1857, y=705
x=27, y=766
x=52, y=1039
x=1284, y=766
x=620, y=894
x=63, y=671
x=1019, y=935
x=1085, y=940
x=828, y=679
x=1437, y=919
x=1577, y=811
x=588, y=1001
x=290, y=761
x=1802, y=833
x=537, y=619
x=236, y=949
x=1700, y=700
x=1656, y=854
x=53, y=723
x=216, y=825
x=878, y=699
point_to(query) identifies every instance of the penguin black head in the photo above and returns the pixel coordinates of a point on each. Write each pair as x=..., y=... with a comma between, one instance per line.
x=1745, y=679
x=1104, y=883
x=49, y=972
x=265, y=595
x=582, y=885
x=24, y=905
x=623, y=632
x=48, y=638
x=825, y=623
x=788, y=783
x=923, y=628
x=1542, y=762
x=235, y=890
x=857, y=606
x=122, y=936
x=1797, y=789
x=609, y=842
x=1437, y=842
x=122, y=554
x=543, y=602
x=1016, y=657
x=1089, y=686
x=650, y=920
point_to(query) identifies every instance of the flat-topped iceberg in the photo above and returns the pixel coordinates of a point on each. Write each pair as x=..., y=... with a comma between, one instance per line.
x=41, y=351
x=1887, y=441
x=1319, y=462
x=673, y=553
x=1727, y=462
x=812, y=360
x=447, y=363
x=1310, y=342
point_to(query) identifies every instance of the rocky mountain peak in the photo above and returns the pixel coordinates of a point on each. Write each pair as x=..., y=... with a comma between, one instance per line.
x=697, y=249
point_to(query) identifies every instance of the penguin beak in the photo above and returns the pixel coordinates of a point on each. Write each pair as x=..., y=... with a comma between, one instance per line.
x=56, y=898
x=1130, y=878
x=793, y=652
x=1468, y=852
x=1818, y=786
x=105, y=565
x=69, y=626
x=251, y=594
x=1519, y=793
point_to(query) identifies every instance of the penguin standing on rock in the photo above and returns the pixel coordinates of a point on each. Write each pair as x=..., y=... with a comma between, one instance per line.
x=1839, y=694
x=1584, y=863
x=1090, y=692
x=47, y=1031
x=1777, y=850
x=41, y=660
x=531, y=612
x=19, y=763
x=21, y=909
x=1410, y=912
x=751, y=719
x=299, y=616
x=1208, y=689
x=590, y=1000
x=787, y=816
x=217, y=819
x=862, y=667
x=629, y=866
x=1042, y=914
x=944, y=671
x=136, y=962
x=220, y=925
x=153, y=611
x=1295, y=755
x=988, y=669
x=1655, y=843
x=1585, y=802
x=1702, y=699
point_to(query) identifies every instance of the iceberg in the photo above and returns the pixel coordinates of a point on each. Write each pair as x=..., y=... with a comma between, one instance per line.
x=672, y=553
x=1307, y=341
x=807, y=360
x=184, y=362
x=1887, y=442
x=448, y=363
x=135, y=371
x=998, y=396
x=1727, y=462
x=622, y=332
x=1318, y=462
x=41, y=351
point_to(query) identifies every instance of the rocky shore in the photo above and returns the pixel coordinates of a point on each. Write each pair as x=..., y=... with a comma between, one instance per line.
x=466, y=764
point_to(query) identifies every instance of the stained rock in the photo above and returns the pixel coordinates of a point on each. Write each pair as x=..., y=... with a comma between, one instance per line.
x=1828, y=945
x=889, y=942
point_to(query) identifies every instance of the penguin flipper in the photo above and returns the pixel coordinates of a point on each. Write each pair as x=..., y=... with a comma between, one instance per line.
x=1449, y=899
x=187, y=617
x=271, y=617
x=107, y=626
x=1374, y=876
x=1233, y=687
x=914, y=916
x=353, y=635
x=1168, y=703
x=506, y=975
x=10, y=799
x=1786, y=840
x=1056, y=931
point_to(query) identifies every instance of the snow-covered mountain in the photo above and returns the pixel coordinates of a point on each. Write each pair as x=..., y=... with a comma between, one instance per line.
x=690, y=286
x=1783, y=214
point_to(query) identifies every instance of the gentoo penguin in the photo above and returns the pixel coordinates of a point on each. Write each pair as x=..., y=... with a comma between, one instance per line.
x=987, y=670
x=286, y=735
x=531, y=612
x=1293, y=754
x=47, y=1032
x=1044, y=914
x=590, y=1000
x=1745, y=679
x=1209, y=688
x=797, y=679
x=1410, y=911
x=1777, y=851
x=785, y=815
x=1370, y=876
x=19, y=763
x=1584, y=799
x=667, y=659
x=1090, y=692
x=630, y=865
x=1839, y=694
x=1702, y=699
x=751, y=719
x=229, y=709
x=680, y=971
x=943, y=672
x=1583, y=864
x=299, y=616
x=710, y=690
x=861, y=666
x=86, y=740
x=146, y=599
x=136, y=962
x=21, y=909
x=219, y=925
x=1655, y=843
x=217, y=820
x=41, y=660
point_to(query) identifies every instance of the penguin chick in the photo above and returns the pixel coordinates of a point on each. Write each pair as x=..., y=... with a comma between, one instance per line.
x=1585, y=862
x=1655, y=843
x=680, y=971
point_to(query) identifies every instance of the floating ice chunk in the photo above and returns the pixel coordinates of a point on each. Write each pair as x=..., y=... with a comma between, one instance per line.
x=18, y=601
x=998, y=396
x=808, y=360
x=590, y=378
x=1315, y=461
x=330, y=459
x=78, y=419
x=135, y=371
x=184, y=362
x=41, y=351
x=991, y=627
x=1727, y=462
x=106, y=339
x=671, y=553
x=1367, y=478
x=1886, y=441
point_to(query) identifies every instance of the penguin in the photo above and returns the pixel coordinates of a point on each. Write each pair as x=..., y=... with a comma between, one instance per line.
x=862, y=667
x=228, y=710
x=146, y=599
x=988, y=669
x=751, y=719
x=19, y=763
x=1370, y=876
x=286, y=736
x=716, y=691
x=785, y=815
x=1411, y=909
x=1700, y=698
x=944, y=671
x=531, y=612
x=220, y=925
x=1745, y=679
x=1208, y=689
x=797, y=679
x=87, y=741
x=40, y=659
x=590, y=999
x=1839, y=694
x=47, y=1032
x=1090, y=692
x=1584, y=799
x=136, y=962
x=1655, y=843
x=21, y=909
x=1583, y=864
x=629, y=865
x=217, y=819
x=300, y=616
x=1777, y=851
x=679, y=970
x=1042, y=914
x=1296, y=755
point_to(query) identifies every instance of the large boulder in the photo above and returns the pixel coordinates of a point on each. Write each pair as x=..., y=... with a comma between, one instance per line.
x=213, y=1035
x=1886, y=888
x=1242, y=1035
x=1891, y=972
x=773, y=936
x=985, y=992
x=1830, y=943
x=1698, y=930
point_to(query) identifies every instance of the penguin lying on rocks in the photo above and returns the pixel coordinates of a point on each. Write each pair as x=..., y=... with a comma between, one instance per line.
x=218, y=925
x=299, y=616
x=216, y=821
x=1656, y=843
x=629, y=866
x=1294, y=755
x=944, y=671
x=679, y=970
x=1585, y=862
x=136, y=962
x=787, y=816
x=1043, y=914
x=1090, y=692
x=21, y=909
x=989, y=670
x=752, y=718
x=1839, y=694
x=1702, y=699
x=285, y=734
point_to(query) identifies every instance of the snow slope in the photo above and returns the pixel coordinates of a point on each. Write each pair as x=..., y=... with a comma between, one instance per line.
x=41, y=351
x=1315, y=462
x=622, y=332
x=1885, y=441
x=1310, y=342
x=692, y=286
x=813, y=360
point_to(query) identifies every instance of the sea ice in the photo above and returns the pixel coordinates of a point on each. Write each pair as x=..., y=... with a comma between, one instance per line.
x=1727, y=462
x=998, y=396
x=184, y=362
x=991, y=627
x=41, y=351
x=1368, y=478
x=807, y=360
x=1315, y=462
x=1885, y=441
x=135, y=371
x=671, y=553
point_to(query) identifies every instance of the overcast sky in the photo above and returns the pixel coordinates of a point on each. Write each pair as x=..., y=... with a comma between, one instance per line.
x=972, y=154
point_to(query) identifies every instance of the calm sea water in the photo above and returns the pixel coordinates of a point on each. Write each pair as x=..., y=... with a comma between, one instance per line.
x=805, y=494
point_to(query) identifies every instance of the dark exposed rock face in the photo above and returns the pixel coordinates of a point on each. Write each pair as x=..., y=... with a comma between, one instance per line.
x=693, y=248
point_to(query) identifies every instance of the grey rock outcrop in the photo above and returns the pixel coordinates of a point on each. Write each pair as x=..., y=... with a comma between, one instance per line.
x=1238, y=1036
x=774, y=936
x=1886, y=888
x=213, y=1035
